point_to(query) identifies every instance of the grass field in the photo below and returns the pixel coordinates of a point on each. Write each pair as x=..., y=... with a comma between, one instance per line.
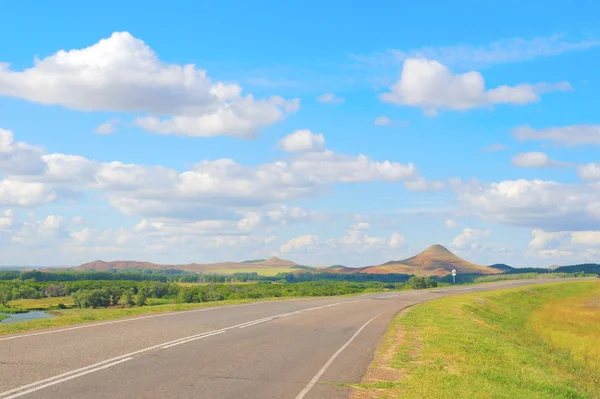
x=43, y=303
x=530, y=342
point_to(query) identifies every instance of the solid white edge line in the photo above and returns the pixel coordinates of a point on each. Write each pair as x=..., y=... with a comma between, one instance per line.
x=67, y=378
x=312, y=382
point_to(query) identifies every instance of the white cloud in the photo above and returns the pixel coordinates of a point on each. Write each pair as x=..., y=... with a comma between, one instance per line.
x=382, y=121
x=17, y=157
x=495, y=147
x=107, y=127
x=304, y=243
x=208, y=190
x=40, y=232
x=543, y=204
x=361, y=226
x=396, y=240
x=547, y=240
x=422, y=184
x=18, y=193
x=503, y=51
x=135, y=80
x=7, y=220
x=81, y=236
x=568, y=135
x=450, y=224
x=302, y=141
x=430, y=85
x=590, y=171
x=78, y=220
x=589, y=238
x=330, y=98
x=470, y=238
x=536, y=160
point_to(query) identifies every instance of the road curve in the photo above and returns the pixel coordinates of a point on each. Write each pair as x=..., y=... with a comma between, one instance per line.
x=304, y=348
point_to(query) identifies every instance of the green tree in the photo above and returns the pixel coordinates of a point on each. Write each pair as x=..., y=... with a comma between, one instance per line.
x=5, y=295
x=129, y=298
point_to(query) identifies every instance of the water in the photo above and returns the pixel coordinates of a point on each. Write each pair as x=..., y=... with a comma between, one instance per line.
x=32, y=315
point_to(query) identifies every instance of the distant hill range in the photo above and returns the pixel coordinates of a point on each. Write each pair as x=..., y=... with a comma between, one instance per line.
x=434, y=261
x=273, y=262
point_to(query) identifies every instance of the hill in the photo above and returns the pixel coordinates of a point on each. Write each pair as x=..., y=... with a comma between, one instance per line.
x=503, y=267
x=434, y=261
x=221, y=267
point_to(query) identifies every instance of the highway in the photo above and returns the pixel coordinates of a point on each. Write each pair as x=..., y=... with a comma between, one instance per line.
x=300, y=348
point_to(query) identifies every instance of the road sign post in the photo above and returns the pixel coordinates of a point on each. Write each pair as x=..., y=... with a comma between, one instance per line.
x=454, y=276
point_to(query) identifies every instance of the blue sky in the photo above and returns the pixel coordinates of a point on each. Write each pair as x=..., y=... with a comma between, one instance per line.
x=206, y=131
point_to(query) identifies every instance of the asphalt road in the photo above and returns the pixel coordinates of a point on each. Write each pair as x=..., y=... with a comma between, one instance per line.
x=293, y=349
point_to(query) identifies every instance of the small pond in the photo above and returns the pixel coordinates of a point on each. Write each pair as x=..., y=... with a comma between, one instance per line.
x=32, y=315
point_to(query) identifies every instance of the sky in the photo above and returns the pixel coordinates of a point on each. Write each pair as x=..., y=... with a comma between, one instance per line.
x=317, y=132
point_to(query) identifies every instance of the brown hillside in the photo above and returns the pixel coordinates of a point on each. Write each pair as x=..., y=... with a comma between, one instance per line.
x=434, y=261
x=273, y=262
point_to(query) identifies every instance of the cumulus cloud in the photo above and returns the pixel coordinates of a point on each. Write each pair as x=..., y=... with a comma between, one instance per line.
x=178, y=99
x=302, y=141
x=18, y=157
x=382, y=121
x=19, y=193
x=568, y=135
x=7, y=220
x=470, y=238
x=590, y=171
x=430, y=85
x=588, y=238
x=107, y=127
x=207, y=188
x=546, y=240
x=544, y=204
x=536, y=160
x=330, y=98
x=40, y=232
x=304, y=243
x=451, y=224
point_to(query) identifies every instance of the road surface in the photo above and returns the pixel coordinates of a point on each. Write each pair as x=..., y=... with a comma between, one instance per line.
x=305, y=348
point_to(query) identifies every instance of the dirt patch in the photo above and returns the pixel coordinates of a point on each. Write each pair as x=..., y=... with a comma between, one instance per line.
x=381, y=370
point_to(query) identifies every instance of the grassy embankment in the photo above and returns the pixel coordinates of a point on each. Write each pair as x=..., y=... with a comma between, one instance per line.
x=528, y=342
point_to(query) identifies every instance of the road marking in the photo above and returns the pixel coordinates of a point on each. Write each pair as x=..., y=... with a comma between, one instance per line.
x=192, y=339
x=58, y=381
x=128, y=319
x=312, y=382
x=100, y=365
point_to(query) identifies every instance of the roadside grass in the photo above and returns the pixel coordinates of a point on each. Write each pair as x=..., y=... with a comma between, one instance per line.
x=67, y=317
x=527, y=276
x=42, y=303
x=528, y=342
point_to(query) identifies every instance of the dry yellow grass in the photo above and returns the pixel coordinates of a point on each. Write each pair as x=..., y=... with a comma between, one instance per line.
x=572, y=325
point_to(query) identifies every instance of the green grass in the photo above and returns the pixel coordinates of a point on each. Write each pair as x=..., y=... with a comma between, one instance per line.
x=529, y=342
x=65, y=317
x=42, y=303
x=2, y=317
